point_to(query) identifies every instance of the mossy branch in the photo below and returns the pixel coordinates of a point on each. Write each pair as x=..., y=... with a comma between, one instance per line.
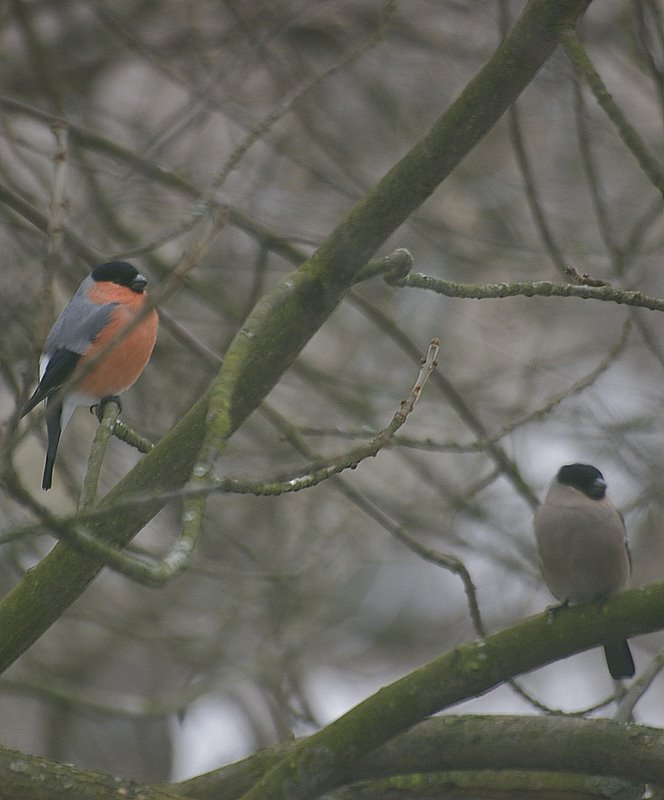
x=467, y=671
x=361, y=745
x=472, y=743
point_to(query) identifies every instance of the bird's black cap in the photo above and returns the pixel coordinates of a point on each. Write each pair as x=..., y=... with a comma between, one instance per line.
x=585, y=478
x=120, y=272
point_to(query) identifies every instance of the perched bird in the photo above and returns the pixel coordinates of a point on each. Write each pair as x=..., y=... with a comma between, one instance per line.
x=107, y=301
x=583, y=548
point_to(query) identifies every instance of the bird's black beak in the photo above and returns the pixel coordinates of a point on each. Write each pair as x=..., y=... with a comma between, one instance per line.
x=139, y=283
x=598, y=488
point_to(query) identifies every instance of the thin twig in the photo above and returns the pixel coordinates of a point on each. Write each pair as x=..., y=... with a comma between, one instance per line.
x=57, y=210
x=523, y=162
x=294, y=97
x=505, y=464
x=128, y=435
x=207, y=200
x=585, y=69
x=109, y=415
x=495, y=291
x=638, y=688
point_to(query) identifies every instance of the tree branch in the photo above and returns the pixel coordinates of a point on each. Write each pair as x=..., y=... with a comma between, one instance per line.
x=467, y=671
x=469, y=743
x=496, y=291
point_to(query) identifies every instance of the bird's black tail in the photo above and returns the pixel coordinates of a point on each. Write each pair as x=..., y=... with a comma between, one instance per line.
x=54, y=428
x=619, y=660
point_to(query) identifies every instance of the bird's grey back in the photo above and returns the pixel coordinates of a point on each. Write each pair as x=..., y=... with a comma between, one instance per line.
x=79, y=324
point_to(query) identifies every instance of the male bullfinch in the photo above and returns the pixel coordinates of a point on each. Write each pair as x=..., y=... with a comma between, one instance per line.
x=583, y=548
x=106, y=302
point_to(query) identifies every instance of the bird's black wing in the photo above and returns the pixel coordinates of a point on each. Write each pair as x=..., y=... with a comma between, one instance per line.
x=59, y=369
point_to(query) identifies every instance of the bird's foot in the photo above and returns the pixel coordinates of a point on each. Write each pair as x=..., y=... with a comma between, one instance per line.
x=553, y=611
x=99, y=407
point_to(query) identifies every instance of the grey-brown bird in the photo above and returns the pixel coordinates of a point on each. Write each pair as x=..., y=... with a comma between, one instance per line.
x=583, y=548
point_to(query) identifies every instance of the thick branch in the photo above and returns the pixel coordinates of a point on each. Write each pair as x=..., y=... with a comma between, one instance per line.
x=468, y=671
x=26, y=777
x=470, y=742
x=477, y=742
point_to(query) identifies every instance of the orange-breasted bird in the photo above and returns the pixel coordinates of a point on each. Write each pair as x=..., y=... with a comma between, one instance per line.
x=107, y=301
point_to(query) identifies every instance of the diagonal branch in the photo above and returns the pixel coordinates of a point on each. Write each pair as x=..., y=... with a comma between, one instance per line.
x=587, y=72
x=327, y=757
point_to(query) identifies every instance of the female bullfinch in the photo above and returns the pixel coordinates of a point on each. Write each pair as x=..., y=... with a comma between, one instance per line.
x=583, y=549
x=106, y=302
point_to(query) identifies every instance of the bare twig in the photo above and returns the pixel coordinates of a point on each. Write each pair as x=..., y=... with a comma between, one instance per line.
x=495, y=291
x=207, y=200
x=638, y=688
x=506, y=465
x=57, y=211
x=109, y=416
x=587, y=72
x=527, y=174
x=583, y=279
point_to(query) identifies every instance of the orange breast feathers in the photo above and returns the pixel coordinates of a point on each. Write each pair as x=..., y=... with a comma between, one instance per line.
x=121, y=367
